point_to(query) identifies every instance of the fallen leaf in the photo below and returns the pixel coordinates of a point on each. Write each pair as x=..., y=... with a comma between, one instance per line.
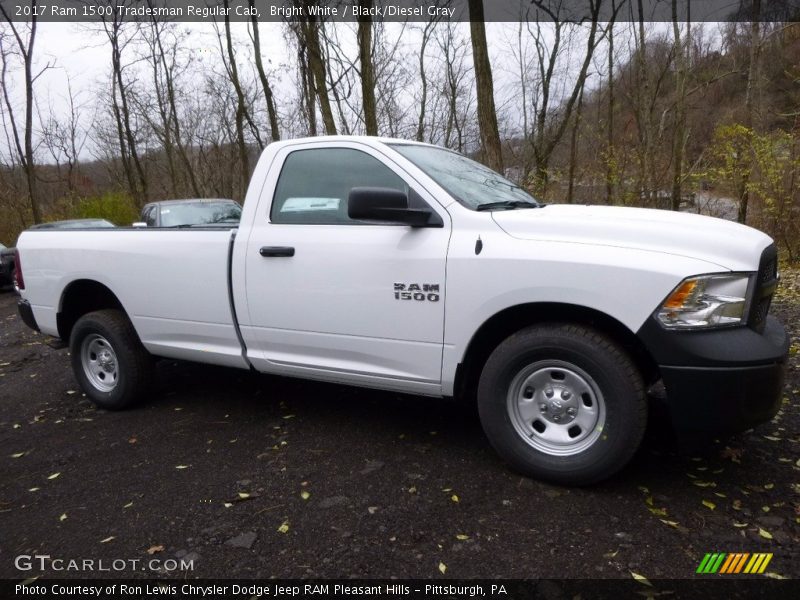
x=17, y=425
x=771, y=438
x=769, y=486
x=659, y=512
x=641, y=579
x=284, y=528
x=740, y=525
x=305, y=495
x=454, y=498
x=108, y=539
x=442, y=568
x=764, y=533
x=462, y=537
x=33, y=489
x=227, y=504
x=70, y=392
x=670, y=523
x=412, y=490
x=63, y=517
x=153, y=549
x=611, y=554
x=372, y=509
x=773, y=575
x=182, y=467
x=704, y=484
x=18, y=455
x=709, y=504
x=765, y=508
x=128, y=505
x=53, y=476
x=243, y=496
x=289, y=417
x=737, y=505
x=133, y=440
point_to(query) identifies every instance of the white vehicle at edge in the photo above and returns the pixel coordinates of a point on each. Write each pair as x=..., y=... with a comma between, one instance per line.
x=408, y=267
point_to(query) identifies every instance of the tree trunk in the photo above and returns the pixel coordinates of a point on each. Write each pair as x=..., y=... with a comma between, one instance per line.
x=423, y=104
x=241, y=108
x=751, y=97
x=262, y=75
x=679, y=132
x=487, y=115
x=367, y=70
x=316, y=64
x=573, y=148
x=25, y=155
x=611, y=170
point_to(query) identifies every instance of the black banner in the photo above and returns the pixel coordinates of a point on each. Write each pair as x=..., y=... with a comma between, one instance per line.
x=733, y=587
x=397, y=10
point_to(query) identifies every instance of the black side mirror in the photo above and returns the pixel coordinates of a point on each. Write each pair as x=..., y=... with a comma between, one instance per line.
x=386, y=204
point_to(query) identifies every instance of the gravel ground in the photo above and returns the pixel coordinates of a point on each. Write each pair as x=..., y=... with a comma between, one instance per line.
x=251, y=476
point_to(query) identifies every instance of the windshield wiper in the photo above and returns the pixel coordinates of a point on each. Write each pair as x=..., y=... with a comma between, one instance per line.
x=507, y=204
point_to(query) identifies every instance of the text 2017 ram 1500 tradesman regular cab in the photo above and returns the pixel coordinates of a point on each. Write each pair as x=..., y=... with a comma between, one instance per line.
x=408, y=267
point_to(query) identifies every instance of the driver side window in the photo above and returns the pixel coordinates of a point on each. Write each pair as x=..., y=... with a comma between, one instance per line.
x=314, y=185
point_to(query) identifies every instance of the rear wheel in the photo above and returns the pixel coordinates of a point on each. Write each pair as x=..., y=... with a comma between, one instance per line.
x=562, y=402
x=109, y=361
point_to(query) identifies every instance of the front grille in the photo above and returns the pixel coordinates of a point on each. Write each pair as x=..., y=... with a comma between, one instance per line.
x=766, y=282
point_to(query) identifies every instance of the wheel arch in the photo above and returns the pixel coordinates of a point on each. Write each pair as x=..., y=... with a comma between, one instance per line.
x=512, y=319
x=80, y=297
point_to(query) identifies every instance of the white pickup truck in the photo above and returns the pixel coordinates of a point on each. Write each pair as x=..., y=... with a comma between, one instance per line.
x=403, y=266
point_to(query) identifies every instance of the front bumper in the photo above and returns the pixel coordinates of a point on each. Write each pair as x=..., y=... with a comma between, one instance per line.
x=723, y=380
x=26, y=314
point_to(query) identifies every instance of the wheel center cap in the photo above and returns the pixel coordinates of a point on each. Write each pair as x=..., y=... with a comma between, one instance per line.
x=560, y=405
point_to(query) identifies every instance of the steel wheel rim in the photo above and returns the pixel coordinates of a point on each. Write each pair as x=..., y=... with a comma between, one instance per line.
x=99, y=362
x=556, y=407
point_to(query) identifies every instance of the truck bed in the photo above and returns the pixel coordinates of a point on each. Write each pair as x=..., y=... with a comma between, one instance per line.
x=173, y=283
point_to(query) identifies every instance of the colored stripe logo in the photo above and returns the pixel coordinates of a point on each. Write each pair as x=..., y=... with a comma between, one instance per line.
x=734, y=562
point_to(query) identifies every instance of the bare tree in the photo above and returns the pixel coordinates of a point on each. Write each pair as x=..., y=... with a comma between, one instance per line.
x=269, y=97
x=307, y=31
x=679, y=131
x=487, y=115
x=164, y=45
x=423, y=101
x=552, y=123
x=65, y=140
x=25, y=47
x=133, y=167
x=751, y=97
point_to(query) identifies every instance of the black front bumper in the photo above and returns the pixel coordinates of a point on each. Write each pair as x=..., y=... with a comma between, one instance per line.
x=724, y=380
x=26, y=314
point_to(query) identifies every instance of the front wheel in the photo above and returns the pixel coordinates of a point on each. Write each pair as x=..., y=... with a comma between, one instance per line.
x=108, y=359
x=562, y=402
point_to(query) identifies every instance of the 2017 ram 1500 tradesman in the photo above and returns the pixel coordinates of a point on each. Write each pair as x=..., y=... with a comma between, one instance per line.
x=408, y=267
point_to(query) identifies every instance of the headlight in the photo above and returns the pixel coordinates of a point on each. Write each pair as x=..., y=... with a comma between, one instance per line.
x=706, y=301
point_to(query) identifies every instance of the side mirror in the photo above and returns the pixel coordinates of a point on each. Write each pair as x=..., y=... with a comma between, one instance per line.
x=139, y=224
x=387, y=205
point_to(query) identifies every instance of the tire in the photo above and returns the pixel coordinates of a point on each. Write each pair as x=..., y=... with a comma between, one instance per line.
x=109, y=361
x=562, y=403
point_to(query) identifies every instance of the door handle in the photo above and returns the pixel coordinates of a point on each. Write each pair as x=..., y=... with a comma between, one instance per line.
x=267, y=251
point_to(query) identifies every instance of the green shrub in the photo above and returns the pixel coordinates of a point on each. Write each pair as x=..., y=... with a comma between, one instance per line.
x=117, y=207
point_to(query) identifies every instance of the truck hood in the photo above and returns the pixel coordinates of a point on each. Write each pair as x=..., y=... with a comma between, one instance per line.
x=726, y=244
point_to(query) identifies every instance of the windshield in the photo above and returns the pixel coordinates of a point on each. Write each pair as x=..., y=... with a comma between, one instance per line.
x=467, y=181
x=206, y=213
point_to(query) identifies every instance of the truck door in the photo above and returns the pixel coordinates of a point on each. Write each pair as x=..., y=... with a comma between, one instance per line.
x=342, y=300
